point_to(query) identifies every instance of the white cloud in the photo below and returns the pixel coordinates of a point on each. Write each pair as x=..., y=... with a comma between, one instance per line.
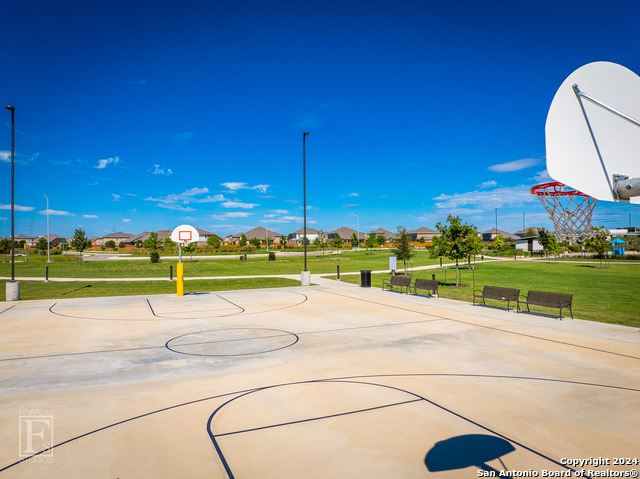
x=90, y=216
x=107, y=161
x=126, y=220
x=542, y=177
x=56, y=213
x=515, y=165
x=350, y=205
x=16, y=207
x=5, y=156
x=354, y=194
x=236, y=185
x=485, y=200
x=159, y=170
x=488, y=184
x=211, y=199
x=176, y=207
x=289, y=219
x=115, y=197
x=184, y=198
x=232, y=214
x=281, y=212
x=239, y=204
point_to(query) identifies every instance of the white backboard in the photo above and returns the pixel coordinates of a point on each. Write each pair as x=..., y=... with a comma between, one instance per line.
x=588, y=144
x=185, y=234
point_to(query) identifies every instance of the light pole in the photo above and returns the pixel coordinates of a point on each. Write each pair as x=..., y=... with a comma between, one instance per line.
x=358, y=223
x=48, y=237
x=306, y=277
x=13, y=287
x=266, y=221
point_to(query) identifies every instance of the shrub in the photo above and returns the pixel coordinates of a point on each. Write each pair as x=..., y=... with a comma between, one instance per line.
x=272, y=256
x=154, y=257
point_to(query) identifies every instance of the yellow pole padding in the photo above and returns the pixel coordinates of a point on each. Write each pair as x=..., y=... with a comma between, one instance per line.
x=180, y=279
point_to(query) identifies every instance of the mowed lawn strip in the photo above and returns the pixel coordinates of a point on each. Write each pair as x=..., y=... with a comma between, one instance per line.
x=606, y=295
x=88, y=289
x=348, y=261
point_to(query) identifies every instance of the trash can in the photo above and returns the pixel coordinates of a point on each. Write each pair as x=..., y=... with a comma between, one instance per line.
x=365, y=278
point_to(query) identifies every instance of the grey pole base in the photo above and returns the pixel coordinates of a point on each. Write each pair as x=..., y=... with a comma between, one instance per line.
x=305, y=278
x=13, y=291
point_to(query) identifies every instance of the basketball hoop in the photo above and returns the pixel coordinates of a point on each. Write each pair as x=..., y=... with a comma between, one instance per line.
x=570, y=210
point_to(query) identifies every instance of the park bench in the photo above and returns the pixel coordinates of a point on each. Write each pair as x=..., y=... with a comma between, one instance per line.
x=497, y=292
x=429, y=285
x=549, y=300
x=399, y=281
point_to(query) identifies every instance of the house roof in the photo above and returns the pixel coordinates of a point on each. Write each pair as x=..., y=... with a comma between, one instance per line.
x=261, y=234
x=23, y=237
x=497, y=232
x=524, y=231
x=119, y=234
x=312, y=231
x=386, y=233
x=346, y=233
x=424, y=231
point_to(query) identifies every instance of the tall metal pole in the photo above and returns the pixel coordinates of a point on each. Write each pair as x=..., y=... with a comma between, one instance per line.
x=496, y=221
x=266, y=221
x=304, y=193
x=48, y=237
x=13, y=274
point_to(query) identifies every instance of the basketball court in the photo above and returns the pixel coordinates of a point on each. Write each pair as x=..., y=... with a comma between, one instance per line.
x=331, y=380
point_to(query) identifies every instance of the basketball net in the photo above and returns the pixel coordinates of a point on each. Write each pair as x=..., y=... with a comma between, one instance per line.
x=569, y=210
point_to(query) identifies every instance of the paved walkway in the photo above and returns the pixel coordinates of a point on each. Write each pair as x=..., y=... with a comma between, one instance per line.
x=324, y=381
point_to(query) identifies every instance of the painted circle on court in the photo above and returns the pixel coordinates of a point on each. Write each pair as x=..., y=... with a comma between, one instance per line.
x=232, y=342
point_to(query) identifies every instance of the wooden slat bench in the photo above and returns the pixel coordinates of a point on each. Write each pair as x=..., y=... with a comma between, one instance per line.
x=429, y=285
x=399, y=281
x=497, y=292
x=550, y=300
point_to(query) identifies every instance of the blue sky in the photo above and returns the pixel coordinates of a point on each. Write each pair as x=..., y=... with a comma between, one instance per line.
x=144, y=115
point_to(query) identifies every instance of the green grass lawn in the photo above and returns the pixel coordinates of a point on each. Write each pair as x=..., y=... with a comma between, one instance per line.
x=606, y=295
x=348, y=261
x=86, y=289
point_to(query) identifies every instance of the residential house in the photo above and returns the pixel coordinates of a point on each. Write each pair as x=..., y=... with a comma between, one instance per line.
x=389, y=236
x=261, y=233
x=117, y=238
x=423, y=232
x=523, y=233
x=530, y=244
x=28, y=240
x=493, y=233
x=345, y=234
x=298, y=235
x=54, y=240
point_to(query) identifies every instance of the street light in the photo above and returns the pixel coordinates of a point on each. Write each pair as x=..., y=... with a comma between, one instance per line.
x=266, y=221
x=48, y=237
x=358, y=223
x=13, y=287
x=306, y=277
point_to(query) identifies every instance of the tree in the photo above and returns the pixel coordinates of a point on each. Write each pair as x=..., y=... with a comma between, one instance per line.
x=243, y=240
x=422, y=240
x=544, y=236
x=354, y=240
x=5, y=245
x=370, y=242
x=530, y=232
x=151, y=242
x=337, y=242
x=381, y=240
x=214, y=241
x=169, y=243
x=322, y=238
x=402, y=246
x=189, y=248
x=42, y=243
x=599, y=242
x=110, y=244
x=80, y=241
x=255, y=242
x=498, y=243
x=121, y=245
x=456, y=240
x=283, y=241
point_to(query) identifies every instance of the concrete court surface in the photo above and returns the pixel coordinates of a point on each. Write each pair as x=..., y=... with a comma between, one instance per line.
x=318, y=382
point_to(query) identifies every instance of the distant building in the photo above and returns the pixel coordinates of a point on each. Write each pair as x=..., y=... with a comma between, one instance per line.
x=388, y=235
x=523, y=233
x=423, y=232
x=493, y=233
x=297, y=236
